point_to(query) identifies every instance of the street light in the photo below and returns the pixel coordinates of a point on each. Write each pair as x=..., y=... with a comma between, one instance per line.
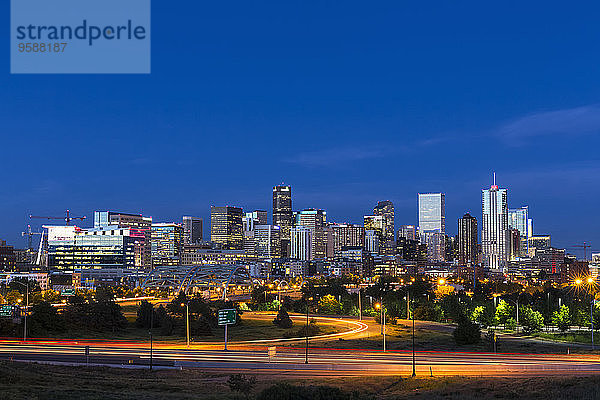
x=306, y=354
x=187, y=321
x=26, y=285
x=590, y=286
x=150, y=332
x=380, y=306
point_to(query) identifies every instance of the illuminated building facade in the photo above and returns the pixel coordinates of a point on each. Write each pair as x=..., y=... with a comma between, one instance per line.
x=167, y=244
x=468, y=246
x=494, y=233
x=282, y=214
x=138, y=224
x=73, y=248
x=192, y=229
x=315, y=220
x=226, y=227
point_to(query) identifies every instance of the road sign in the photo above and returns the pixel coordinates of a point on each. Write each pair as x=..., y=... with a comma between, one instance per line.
x=227, y=316
x=68, y=292
x=6, y=310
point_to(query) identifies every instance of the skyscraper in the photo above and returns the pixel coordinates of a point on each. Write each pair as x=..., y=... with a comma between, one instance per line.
x=385, y=209
x=257, y=217
x=494, y=233
x=167, y=244
x=345, y=235
x=315, y=220
x=282, y=213
x=192, y=230
x=432, y=224
x=267, y=241
x=226, y=227
x=467, y=241
x=518, y=218
x=408, y=232
x=301, y=243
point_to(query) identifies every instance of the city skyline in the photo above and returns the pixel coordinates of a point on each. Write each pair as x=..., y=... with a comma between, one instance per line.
x=451, y=230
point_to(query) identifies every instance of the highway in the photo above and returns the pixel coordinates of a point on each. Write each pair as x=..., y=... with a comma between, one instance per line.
x=322, y=362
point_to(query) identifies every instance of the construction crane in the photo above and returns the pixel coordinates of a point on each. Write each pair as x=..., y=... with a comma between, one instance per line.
x=67, y=218
x=29, y=233
x=585, y=246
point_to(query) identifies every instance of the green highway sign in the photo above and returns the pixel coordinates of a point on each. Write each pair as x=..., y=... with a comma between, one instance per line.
x=68, y=292
x=227, y=316
x=6, y=310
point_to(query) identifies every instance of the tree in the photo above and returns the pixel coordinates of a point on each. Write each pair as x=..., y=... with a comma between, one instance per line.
x=44, y=318
x=482, y=315
x=144, y=315
x=283, y=319
x=329, y=305
x=14, y=297
x=562, y=318
x=532, y=321
x=425, y=312
x=467, y=332
x=503, y=312
x=105, y=293
x=22, y=284
x=241, y=384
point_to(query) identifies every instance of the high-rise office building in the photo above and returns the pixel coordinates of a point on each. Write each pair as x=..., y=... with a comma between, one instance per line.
x=282, y=213
x=518, y=218
x=468, y=254
x=385, y=209
x=301, y=243
x=494, y=233
x=346, y=235
x=432, y=224
x=140, y=227
x=192, y=230
x=226, y=227
x=251, y=219
x=316, y=221
x=408, y=232
x=432, y=212
x=167, y=244
x=267, y=241
x=372, y=238
x=101, y=247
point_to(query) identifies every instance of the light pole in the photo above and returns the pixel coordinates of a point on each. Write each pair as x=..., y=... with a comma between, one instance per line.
x=187, y=322
x=414, y=367
x=306, y=353
x=150, y=332
x=359, y=305
x=590, y=289
x=382, y=316
x=26, y=285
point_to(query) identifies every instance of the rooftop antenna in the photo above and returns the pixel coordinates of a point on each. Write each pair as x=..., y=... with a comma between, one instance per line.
x=494, y=178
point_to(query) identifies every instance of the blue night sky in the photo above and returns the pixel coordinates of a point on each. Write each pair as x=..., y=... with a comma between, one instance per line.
x=349, y=102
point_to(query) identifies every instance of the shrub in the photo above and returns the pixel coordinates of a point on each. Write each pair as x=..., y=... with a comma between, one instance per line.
x=241, y=384
x=467, y=332
x=283, y=319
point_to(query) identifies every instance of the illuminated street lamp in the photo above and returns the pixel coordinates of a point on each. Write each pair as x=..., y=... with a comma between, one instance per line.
x=187, y=321
x=590, y=289
x=380, y=307
x=306, y=353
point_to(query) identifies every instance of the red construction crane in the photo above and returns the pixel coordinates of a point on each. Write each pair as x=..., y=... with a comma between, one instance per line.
x=67, y=218
x=585, y=246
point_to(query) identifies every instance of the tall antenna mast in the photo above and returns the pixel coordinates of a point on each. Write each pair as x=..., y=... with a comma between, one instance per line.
x=494, y=178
